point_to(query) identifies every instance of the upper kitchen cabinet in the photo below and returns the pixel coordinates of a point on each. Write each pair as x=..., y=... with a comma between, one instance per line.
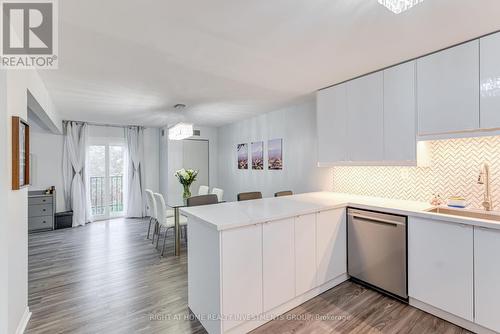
x=365, y=121
x=490, y=81
x=447, y=90
x=400, y=113
x=370, y=120
x=331, y=107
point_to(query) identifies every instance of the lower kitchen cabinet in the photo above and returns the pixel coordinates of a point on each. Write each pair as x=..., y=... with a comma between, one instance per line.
x=441, y=265
x=278, y=262
x=305, y=253
x=487, y=275
x=331, y=245
x=241, y=271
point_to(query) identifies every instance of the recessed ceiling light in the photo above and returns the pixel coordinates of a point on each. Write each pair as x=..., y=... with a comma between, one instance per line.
x=399, y=6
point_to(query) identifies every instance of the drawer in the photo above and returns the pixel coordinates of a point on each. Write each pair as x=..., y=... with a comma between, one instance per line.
x=40, y=223
x=40, y=210
x=39, y=200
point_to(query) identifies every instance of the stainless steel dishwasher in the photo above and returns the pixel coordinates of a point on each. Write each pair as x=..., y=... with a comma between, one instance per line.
x=376, y=250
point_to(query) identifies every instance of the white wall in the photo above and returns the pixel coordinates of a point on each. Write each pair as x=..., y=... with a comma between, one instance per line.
x=15, y=214
x=46, y=153
x=297, y=126
x=172, y=159
x=4, y=223
x=17, y=211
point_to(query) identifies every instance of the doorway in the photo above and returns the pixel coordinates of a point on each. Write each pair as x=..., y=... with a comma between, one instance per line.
x=195, y=155
x=106, y=169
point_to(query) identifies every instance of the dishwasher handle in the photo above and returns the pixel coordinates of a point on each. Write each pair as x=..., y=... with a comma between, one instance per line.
x=376, y=219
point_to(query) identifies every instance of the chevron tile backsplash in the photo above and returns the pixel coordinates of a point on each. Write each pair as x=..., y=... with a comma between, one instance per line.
x=453, y=171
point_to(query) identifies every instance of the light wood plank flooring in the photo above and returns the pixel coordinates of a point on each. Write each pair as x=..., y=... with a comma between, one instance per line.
x=107, y=278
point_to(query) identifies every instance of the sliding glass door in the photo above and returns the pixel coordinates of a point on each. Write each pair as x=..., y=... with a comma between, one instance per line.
x=106, y=166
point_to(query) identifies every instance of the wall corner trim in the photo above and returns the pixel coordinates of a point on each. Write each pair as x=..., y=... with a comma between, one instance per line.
x=24, y=321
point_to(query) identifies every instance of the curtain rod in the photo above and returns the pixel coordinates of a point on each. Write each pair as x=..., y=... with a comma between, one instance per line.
x=105, y=125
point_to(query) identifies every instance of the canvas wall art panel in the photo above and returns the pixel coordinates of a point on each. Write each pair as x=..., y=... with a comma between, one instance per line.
x=258, y=155
x=275, y=154
x=242, y=150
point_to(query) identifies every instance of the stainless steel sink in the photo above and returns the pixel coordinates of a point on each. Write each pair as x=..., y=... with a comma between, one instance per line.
x=466, y=213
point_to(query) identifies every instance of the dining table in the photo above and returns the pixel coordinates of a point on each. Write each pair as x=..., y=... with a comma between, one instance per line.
x=176, y=204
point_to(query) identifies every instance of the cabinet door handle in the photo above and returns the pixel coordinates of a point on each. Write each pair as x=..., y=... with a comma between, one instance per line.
x=44, y=222
x=44, y=210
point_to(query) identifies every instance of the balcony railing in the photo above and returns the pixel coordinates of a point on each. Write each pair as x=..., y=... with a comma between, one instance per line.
x=98, y=191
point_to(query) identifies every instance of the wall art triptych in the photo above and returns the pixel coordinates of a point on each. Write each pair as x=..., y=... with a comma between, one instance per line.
x=274, y=155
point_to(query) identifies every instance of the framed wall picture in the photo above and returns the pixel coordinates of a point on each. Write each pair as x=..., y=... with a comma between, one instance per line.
x=20, y=153
x=258, y=155
x=242, y=150
x=275, y=154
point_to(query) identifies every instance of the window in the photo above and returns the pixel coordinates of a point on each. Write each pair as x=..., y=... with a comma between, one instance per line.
x=106, y=170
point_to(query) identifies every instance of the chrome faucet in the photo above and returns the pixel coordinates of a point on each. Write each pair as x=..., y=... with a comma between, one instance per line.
x=484, y=178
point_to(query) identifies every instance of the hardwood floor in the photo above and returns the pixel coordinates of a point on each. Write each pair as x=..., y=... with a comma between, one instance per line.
x=107, y=278
x=352, y=308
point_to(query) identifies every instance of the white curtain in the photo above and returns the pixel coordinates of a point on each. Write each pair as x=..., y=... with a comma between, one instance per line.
x=135, y=149
x=74, y=180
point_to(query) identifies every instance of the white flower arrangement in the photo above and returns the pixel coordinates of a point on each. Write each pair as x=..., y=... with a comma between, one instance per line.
x=186, y=176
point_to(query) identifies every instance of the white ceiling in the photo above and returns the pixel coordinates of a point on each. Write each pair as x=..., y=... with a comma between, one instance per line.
x=130, y=61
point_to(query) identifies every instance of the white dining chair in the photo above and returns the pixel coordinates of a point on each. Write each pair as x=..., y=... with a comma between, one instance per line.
x=203, y=190
x=153, y=212
x=219, y=192
x=164, y=221
x=152, y=209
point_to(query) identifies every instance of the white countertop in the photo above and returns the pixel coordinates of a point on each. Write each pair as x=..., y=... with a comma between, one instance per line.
x=238, y=214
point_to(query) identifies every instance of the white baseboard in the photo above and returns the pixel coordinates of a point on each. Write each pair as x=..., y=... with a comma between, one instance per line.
x=471, y=326
x=282, y=309
x=24, y=321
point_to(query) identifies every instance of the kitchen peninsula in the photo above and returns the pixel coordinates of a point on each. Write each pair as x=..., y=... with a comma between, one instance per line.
x=249, y=262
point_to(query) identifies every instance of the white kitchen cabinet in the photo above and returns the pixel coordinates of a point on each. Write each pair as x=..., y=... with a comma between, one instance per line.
x=241, y=271
x=365, y=121
x=490, y=81
x=487, y=275
x=447, y=90
x=400, y=113
x=440, y=265
x=332, y=124
x=305, y=253
x=278, y=263
x=331, y=245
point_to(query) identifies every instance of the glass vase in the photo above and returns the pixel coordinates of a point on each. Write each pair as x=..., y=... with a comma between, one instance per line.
x=187, y=193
